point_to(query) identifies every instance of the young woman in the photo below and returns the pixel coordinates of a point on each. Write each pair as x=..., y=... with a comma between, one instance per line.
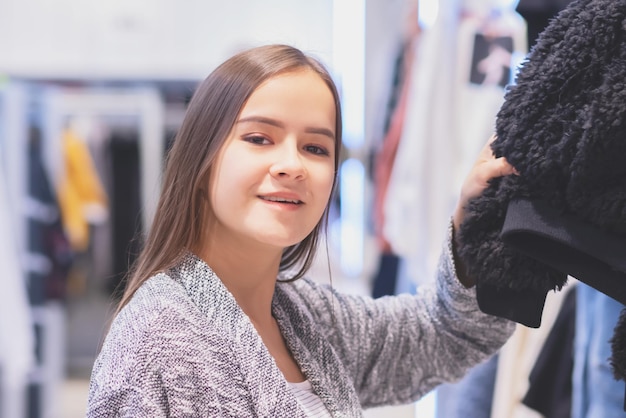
x=216, y=319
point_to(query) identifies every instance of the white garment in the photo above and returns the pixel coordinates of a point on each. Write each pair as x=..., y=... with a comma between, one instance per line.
x=517, y=358
x=311, y=404
x=427, y=131
x=447, y=122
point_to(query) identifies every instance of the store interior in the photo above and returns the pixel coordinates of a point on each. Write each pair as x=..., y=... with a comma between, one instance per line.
x=113, y=79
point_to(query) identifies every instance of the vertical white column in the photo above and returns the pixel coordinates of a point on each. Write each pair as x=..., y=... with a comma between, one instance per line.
x=16, y=314
x=349, y=73
x=152, y=149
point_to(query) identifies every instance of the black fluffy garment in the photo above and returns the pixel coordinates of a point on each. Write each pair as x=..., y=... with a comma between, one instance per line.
x=563, y=127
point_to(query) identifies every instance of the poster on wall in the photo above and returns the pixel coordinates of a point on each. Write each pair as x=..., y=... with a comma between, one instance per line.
x=491, y=60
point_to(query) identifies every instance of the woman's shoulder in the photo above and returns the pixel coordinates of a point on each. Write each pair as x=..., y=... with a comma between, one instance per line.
x=157, y=294
x=160, y=306
x=161, y=318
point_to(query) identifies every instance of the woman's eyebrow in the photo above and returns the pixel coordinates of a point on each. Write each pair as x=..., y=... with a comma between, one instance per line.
x=321, y=131
x=278, y=124
x=261, y=119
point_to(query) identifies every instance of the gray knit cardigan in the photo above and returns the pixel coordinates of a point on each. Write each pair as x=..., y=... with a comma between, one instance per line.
x=182, y=347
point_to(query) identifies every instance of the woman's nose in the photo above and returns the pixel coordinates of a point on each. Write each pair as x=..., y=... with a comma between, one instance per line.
x=288, y=163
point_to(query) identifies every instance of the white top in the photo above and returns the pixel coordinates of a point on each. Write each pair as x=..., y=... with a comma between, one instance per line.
x=309, y=401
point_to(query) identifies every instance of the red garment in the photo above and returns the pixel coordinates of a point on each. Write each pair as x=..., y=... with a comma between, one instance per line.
x=385, y=158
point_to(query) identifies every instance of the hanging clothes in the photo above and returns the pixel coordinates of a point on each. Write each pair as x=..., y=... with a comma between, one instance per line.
x=462, y=66
x=49, y=258
x=491, y=41
x=596, y=390
x=538, y=13
x=450, y=115
x=550, y=380
x=385, y=278
x=517, y=359
x=81, y=195
x=562, y=127
x=126, y=204
x=472, y=393
x=50, y=255
x=394, y=126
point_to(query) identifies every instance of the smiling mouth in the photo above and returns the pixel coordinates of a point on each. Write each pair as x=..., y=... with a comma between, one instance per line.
x=281, y=200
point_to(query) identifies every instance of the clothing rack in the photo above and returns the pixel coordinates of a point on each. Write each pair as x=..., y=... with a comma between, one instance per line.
x=143, y=103
x=25, y=105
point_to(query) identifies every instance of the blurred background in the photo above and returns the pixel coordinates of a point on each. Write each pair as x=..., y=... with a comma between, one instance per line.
x=92, y=94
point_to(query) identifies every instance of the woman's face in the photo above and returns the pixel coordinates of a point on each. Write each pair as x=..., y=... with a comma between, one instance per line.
x=273, y=177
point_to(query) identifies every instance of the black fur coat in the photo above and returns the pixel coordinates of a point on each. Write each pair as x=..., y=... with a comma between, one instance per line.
x=563, y=127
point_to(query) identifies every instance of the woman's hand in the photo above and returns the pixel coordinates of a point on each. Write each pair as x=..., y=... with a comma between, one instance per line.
x=485, y=168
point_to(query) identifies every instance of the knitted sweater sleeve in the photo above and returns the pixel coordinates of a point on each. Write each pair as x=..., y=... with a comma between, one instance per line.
x=398, y=348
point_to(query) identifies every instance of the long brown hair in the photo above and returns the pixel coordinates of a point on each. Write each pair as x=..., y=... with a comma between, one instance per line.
x=180, y=216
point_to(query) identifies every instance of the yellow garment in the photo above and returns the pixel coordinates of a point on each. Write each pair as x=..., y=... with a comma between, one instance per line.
x=80, y=192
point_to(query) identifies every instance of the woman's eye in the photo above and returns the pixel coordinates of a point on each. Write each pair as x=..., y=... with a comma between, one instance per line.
x=256, y=139
x=314, y=149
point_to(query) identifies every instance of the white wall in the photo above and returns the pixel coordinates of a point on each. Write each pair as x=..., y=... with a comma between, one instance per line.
x=162, y=39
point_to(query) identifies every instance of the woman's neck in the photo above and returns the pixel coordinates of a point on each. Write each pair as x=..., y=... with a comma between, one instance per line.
x=249, y=276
